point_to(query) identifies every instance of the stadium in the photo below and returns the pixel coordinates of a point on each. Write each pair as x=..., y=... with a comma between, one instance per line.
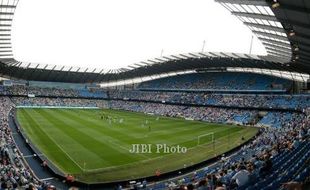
x=196, y=120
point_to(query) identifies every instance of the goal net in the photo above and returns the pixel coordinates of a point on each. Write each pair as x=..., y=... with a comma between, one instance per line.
x=205, y=139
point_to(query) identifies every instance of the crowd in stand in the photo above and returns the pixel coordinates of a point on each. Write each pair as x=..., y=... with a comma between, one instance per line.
x=14, y=174
x=278, y=119
x=239, y=100
x=23, y=90
x=299, y=102
x=219, y=81
x=67, y=102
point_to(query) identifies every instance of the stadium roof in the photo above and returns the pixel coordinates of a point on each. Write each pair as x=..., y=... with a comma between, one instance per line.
x=282, y=26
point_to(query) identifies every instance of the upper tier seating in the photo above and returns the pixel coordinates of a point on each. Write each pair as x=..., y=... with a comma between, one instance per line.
x=237, y=100
x=219, y=81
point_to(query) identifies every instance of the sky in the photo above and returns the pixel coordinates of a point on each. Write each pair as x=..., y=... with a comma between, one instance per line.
x=112, y=34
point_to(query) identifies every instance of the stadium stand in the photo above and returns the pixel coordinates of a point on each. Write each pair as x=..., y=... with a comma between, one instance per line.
x=216, y=99
x=14, y=172
x=23, y=90
x=24, y=101
x=219, y=81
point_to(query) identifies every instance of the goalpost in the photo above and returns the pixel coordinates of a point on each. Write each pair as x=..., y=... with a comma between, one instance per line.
x=199, y=138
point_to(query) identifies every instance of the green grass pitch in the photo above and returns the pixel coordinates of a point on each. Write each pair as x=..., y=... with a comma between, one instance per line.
x=80, y=142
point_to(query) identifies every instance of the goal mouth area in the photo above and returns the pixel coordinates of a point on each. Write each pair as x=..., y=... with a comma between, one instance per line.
x=200, y=139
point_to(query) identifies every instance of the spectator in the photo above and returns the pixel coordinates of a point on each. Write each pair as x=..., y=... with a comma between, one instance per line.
x=241, y=178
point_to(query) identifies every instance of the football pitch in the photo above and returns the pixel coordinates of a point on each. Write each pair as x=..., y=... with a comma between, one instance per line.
x=94, y=145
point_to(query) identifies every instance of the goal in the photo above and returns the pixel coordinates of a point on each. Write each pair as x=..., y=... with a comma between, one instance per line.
x=205, y=139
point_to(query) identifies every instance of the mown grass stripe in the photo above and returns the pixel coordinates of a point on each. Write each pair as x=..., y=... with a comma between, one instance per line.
x=103, y=134
x=103, y=150
x=48, y=146
x=70, y=145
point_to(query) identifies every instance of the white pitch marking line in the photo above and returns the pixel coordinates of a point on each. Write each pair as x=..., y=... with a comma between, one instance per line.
x=32, y=155
x=47, y=179
x=65, y=152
